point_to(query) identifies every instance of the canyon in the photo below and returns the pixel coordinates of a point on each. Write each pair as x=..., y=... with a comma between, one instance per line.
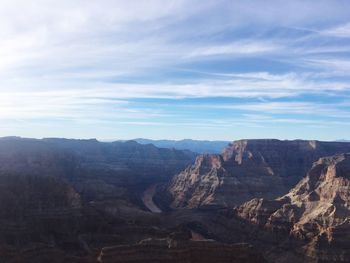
x=87, y=201
x=316, y=210
x=247, y=169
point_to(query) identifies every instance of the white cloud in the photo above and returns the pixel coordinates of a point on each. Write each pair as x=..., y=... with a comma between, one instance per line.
x=297, y=108
x=330, y=64
x=253, y=47
x=67, y=105
x=128, y=37
x=338, y=31
x=87, y=60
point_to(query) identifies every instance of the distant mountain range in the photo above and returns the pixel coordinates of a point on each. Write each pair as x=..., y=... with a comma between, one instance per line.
x=198, y=146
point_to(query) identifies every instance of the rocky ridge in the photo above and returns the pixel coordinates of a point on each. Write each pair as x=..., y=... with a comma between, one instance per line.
x=316, y=210
x=66, y=199
x=80, y=201
x=246, y=169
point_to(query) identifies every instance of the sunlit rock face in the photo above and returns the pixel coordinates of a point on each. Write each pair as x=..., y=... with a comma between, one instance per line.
x=316, y=210
x=247, y=169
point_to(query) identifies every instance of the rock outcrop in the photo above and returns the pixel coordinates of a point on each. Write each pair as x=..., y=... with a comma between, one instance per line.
x=316, y=211
x=23, y=196
x=96, y=170
x=68, y=198
x=80, y=201
x=247, y=169
x=171, y=251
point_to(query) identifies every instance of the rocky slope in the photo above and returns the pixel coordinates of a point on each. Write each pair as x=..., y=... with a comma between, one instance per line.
x=21, y=196
x=173, y=251
x=36, y=157
x=80, y=201
x=316, y=211
x=67, y=199
x=97, y=170
x=246, y=169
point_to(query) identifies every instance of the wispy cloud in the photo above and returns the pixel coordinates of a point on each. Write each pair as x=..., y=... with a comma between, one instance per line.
x=236, y=49
x=106, y=61
x=298, y=109
x=331, y=64
x=338, y=31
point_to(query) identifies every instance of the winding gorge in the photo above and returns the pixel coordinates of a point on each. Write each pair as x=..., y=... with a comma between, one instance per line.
x=258, y=201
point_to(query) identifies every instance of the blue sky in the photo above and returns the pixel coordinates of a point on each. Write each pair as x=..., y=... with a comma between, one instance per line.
x=175, y=69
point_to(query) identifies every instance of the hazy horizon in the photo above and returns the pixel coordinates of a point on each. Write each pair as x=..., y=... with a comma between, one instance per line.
x=218, y=70
x=165, y=139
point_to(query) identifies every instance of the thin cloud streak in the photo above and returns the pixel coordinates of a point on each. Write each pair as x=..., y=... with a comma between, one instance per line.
x=86, y=62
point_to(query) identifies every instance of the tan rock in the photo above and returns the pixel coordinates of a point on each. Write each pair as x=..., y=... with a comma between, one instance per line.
x=316, y=211
x=248, y=169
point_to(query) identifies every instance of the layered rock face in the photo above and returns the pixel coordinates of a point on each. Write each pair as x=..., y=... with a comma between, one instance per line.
x=171, y=251
x=80, y=201
x=36, y=210
x=199, y=181
x=22, y=196
x=99, y=170
x=127, y=162
x=36, y=157
x=247, y=169
x=66, y=199
x=316, y=211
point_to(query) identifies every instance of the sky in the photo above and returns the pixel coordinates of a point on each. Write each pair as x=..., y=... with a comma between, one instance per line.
x=200, y=69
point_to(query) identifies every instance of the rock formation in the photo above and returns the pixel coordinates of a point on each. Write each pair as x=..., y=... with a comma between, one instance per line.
x=81, y=201
x=316, y=211
x=171, y=251
x=246, y=169
x=97, y=170
x=68, y=198
x=21, y=196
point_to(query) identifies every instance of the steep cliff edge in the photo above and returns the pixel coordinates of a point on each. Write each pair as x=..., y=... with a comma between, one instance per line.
x=247, y=169
x=63, y=200
x=95, y=169
x=316, y=211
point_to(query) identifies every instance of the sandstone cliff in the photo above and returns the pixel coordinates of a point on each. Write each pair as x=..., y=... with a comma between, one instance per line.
x=247, y=169
x=316, y=211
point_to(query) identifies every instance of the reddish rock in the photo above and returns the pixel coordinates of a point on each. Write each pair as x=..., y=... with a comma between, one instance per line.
x=316, y=211
x=247, y=169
